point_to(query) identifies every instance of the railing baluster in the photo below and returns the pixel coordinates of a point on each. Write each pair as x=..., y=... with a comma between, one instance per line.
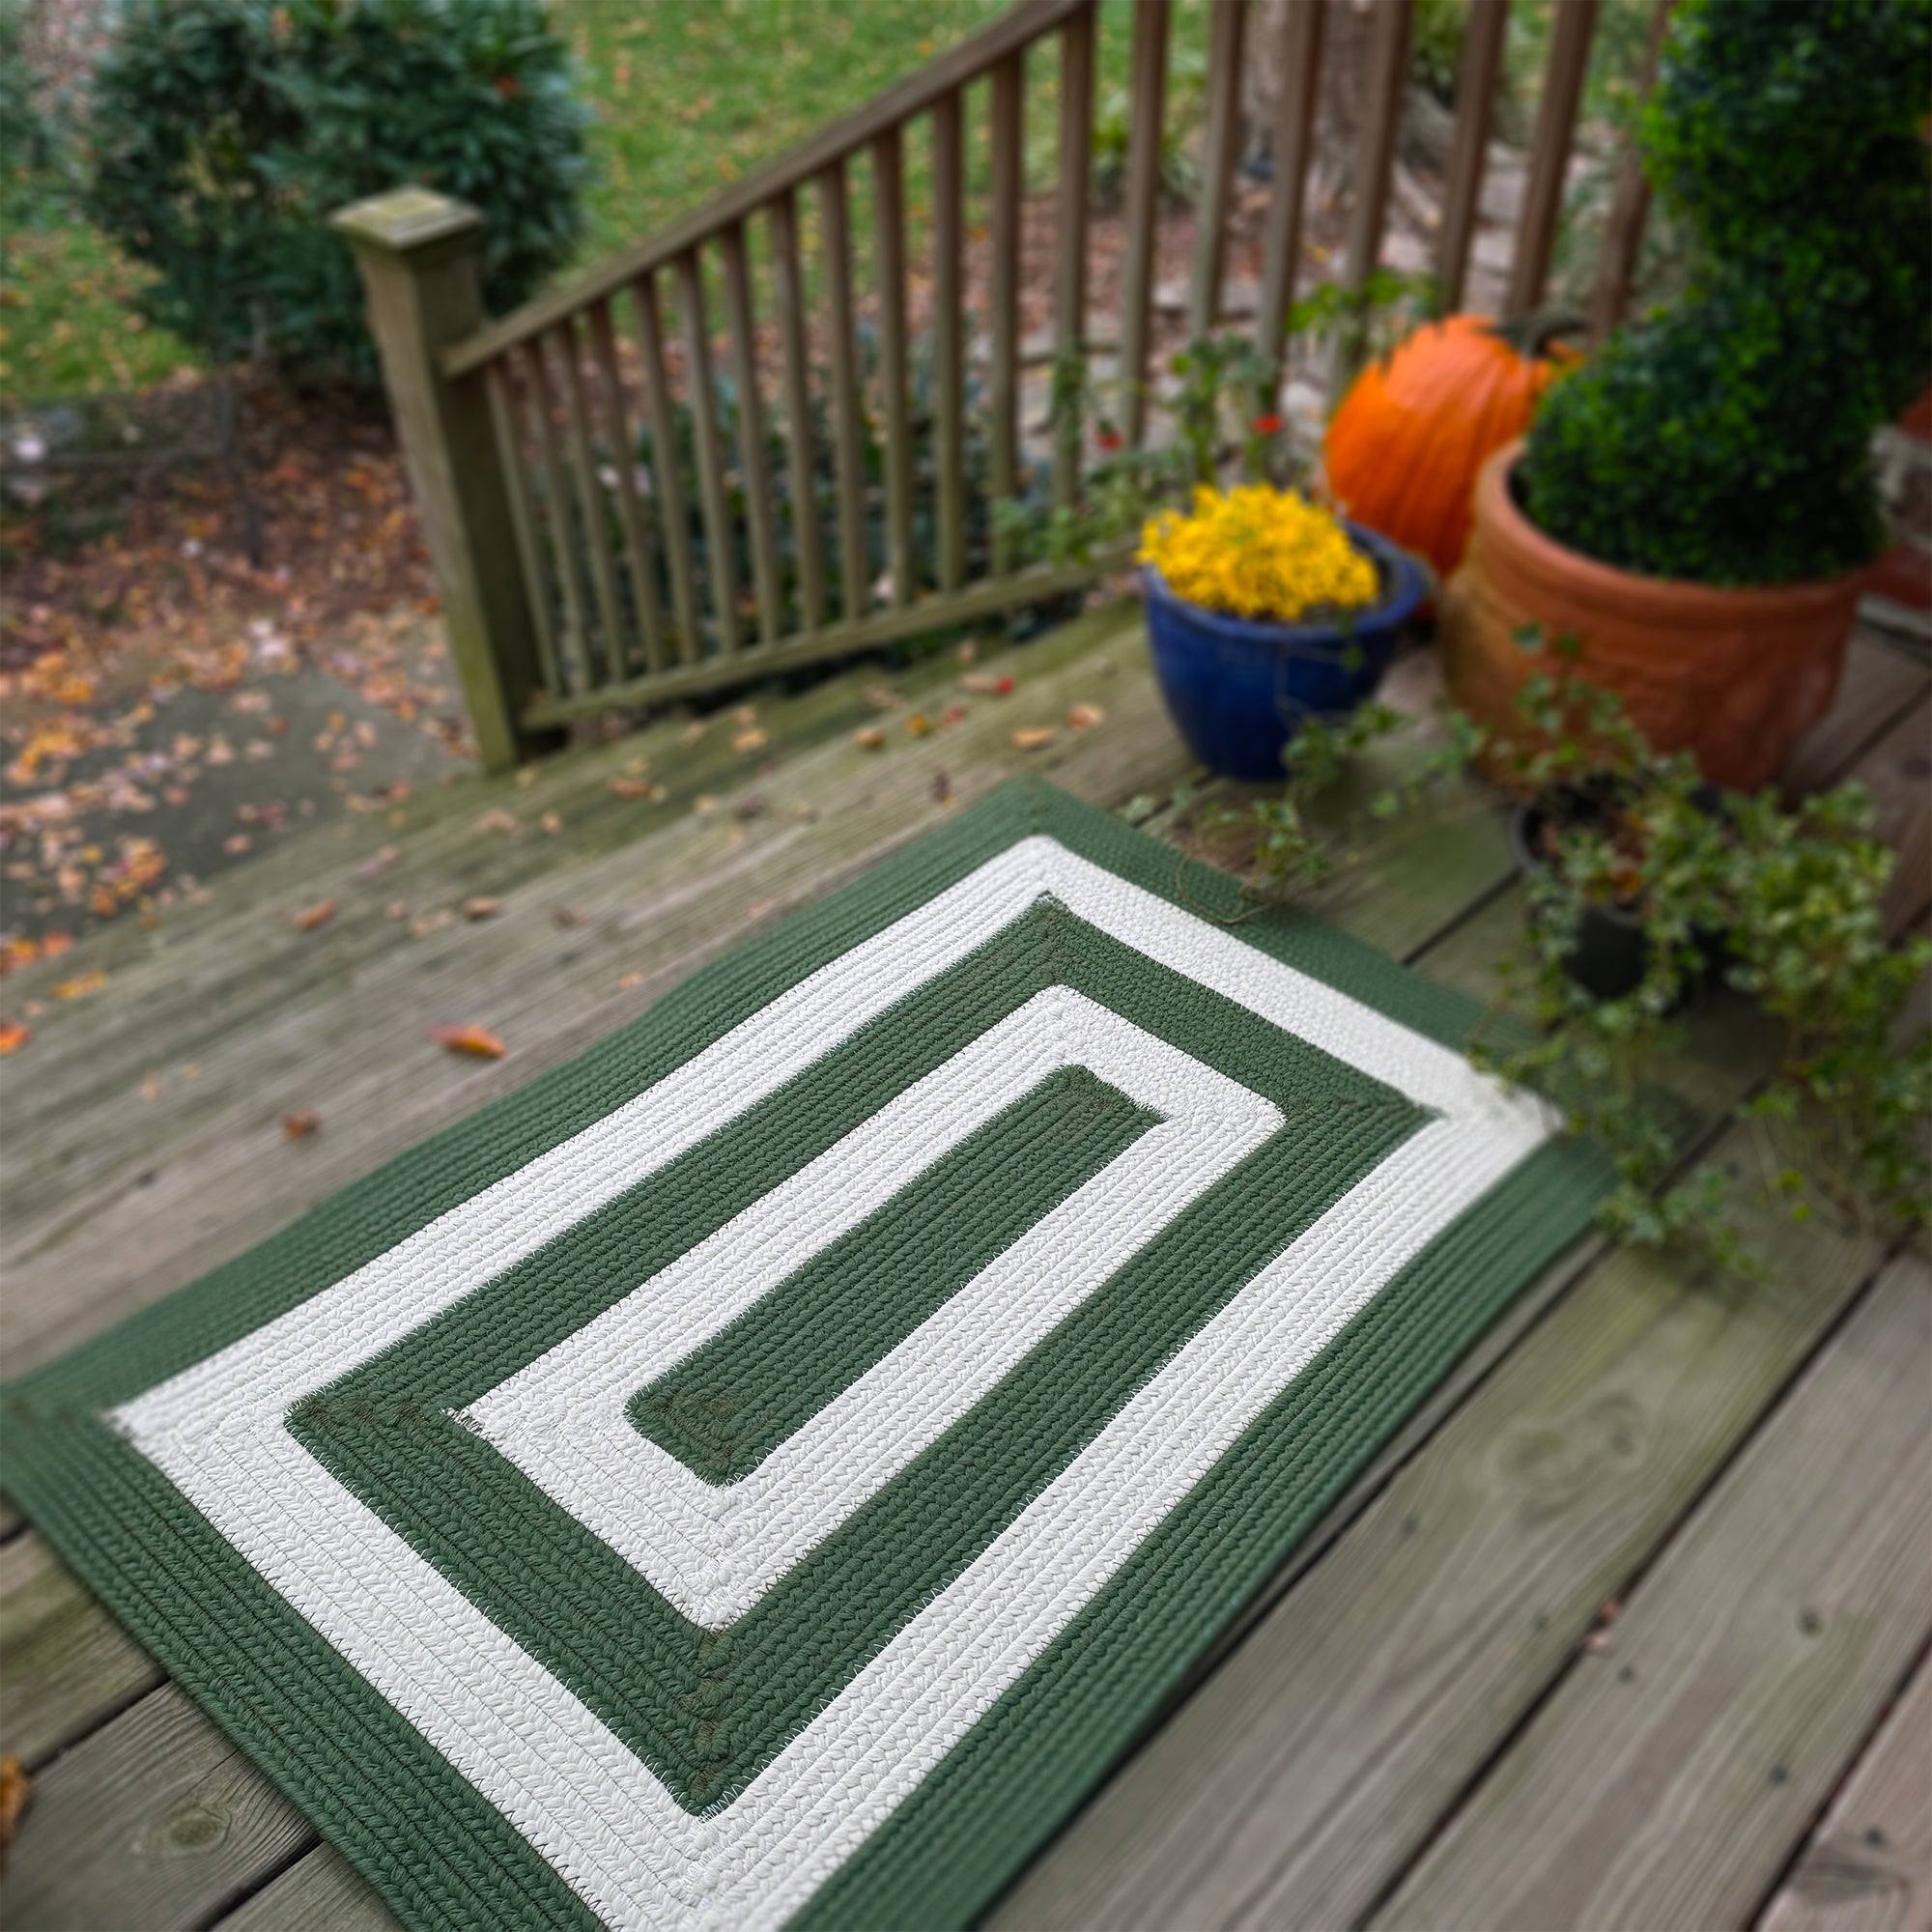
x=666, y=477
x=574, y=664
x=807, y=535
x=751, y=455
x=1008, y=136
x=1629, y=207
x=847, y=424
x=1469, y=149
x=1375, y=164
x=1549, y=153
x=1293, y=143
x=889, y=198
x=702, y=402
x=592, y=501
x=949, y=322
x=1076, y=168
x=523, y=518
x=637, y=547
x=1217, y=162
x=1150, y=91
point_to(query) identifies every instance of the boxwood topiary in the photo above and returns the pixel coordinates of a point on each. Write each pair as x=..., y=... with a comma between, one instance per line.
x=223, y=132
x=1727, y=440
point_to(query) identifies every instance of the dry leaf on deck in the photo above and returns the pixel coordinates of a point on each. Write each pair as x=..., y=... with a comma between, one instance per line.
x=15, y=1788
x=74, y=989
x=481, y=908
x=942, y=787
x=476, y=1039
x=565, y=917
x=1034, y=737
x=870, y=739
x=918, y=725
x=1083, y=716
x=14, y=1037
x=298, y=1127
x=987, y=684
x=497, y=819
x=752, y=740
x=632, y=787
x=311, y=917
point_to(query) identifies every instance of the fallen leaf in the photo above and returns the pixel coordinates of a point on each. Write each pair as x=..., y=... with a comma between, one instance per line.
x=1083, y=716
x=298, y=1127
x=986, y=685
x=375, y=868
x=870, y=739
x=527, y=775
x=396, y=909
x=941, y=787
x=235, y=845
x=746, y=714
x=751, y=806
x=695, y=731
x=805, y=813
x=1034, y=737
x=550, y=823
x=476, y=1039
x=968, y=650
x=704, y=805
x=151, y=1085
x=314, y=915
x=629, y=980
x=952, y=715
x=74, y=989
x=14, y=1037
x=497, y=819
x=749, y=741
x=565, y=917
x=431, y=921
x=633, y=787
x=15, y=1788
x=481, y=908
x=918, y=725
x=758, y=908
x=883, y=697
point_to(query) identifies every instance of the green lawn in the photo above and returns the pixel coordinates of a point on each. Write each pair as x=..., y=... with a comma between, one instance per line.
x=688, y=95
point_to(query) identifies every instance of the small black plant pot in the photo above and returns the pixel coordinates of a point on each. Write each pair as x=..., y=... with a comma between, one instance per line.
x=1612, y=951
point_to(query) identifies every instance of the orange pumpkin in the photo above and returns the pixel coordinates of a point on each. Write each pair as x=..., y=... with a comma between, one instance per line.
x=1403, y=451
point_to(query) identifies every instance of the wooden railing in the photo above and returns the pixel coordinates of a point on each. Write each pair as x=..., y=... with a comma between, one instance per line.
x=618, y=516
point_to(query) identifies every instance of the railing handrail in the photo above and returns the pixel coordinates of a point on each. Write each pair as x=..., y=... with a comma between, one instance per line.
x=958, y=66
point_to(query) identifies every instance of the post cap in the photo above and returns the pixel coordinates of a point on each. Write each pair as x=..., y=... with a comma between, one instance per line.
x=408, y=222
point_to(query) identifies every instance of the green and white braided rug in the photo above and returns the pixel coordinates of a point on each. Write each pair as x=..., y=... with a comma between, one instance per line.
x=767, y=1469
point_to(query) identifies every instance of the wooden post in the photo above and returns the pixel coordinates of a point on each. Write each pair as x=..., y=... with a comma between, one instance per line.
x=421, y=258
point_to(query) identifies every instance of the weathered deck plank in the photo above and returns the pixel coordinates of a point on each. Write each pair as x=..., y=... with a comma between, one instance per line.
x=257, y=1009
x=155, y=1822
x=1299, y=1782
x=1868, y=1865
x=65, y=1663
x=1665, y=1782
x=322, y=1892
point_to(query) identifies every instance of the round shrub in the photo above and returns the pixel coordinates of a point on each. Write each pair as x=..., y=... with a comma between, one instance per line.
x=1727, y=439
x=224, y=133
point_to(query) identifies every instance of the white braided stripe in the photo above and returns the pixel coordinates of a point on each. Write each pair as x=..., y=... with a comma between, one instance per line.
x=596, y=1813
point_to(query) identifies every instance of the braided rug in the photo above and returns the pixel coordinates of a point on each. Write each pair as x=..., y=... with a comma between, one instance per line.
x=767, y=1469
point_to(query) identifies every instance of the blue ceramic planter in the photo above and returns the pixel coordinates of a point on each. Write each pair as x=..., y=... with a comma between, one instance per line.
x=1239, y=691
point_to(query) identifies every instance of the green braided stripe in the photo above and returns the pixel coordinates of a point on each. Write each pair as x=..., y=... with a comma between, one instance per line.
x=708, y=1710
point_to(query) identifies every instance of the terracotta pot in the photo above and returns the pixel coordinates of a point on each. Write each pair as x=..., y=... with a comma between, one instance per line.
x=1735, y=677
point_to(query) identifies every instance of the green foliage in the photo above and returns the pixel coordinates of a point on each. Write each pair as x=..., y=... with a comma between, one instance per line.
x=1785, y=906
x=1725, y=439
x=225, y=131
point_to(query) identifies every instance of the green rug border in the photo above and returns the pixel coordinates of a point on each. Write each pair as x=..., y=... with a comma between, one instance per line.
x=171, y=1579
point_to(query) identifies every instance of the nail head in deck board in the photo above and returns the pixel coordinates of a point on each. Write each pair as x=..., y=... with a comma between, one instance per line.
x=1677, y=1805
x=65, y=1663
x=322, y=1892
x=156, y=1821
x=1868, y=1865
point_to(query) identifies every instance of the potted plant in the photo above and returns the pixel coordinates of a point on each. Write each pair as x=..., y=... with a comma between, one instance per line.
x=1696, y=503
x=1265, y=609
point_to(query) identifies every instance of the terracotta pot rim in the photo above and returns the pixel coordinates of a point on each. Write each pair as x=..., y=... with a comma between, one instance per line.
x=1497, y=507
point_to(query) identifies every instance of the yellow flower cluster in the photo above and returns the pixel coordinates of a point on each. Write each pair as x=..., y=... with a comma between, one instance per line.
x=1258, y=553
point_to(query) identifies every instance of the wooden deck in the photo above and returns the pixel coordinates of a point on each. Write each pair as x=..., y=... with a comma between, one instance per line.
x=1437, y=1716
